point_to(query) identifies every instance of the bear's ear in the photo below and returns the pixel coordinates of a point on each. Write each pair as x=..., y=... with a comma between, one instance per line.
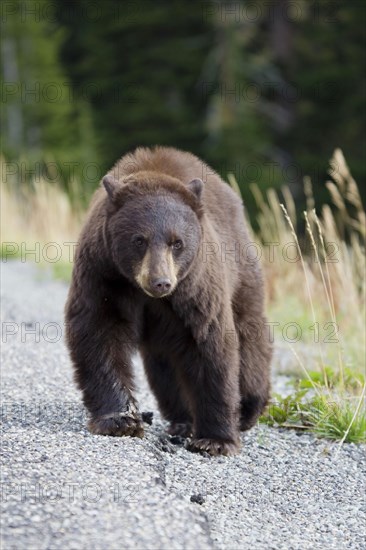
x=196, y=186
x=112, y=186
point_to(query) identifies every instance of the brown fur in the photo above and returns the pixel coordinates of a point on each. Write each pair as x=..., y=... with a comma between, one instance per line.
x=204, y=344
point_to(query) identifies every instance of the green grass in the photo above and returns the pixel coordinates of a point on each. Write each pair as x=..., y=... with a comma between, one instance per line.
x=62, y=271
x=9, y=251
x=321, y=409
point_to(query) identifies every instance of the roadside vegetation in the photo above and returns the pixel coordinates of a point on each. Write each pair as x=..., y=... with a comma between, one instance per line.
x=316, y=289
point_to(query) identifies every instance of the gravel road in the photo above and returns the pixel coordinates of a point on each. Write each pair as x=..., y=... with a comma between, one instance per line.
x=64, y=488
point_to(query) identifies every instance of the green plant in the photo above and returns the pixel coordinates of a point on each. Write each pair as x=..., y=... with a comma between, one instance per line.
x=325, y=414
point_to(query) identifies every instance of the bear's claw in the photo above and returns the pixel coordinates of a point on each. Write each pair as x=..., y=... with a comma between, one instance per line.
x=214, y=447
x=180, y=428
x=117, y=424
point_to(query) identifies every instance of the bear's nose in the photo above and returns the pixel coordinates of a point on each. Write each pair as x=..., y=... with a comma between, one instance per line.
x=161, y=285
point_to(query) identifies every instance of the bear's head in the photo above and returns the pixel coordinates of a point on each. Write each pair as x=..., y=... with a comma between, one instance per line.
x=153, y=229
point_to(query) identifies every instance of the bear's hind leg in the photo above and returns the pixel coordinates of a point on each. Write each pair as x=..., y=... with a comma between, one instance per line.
x=255, y=356
x=164, y=384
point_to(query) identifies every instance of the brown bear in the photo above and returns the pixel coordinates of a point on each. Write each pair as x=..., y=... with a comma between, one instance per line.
x=163, y=267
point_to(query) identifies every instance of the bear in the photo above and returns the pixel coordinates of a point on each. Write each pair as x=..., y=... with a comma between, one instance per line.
x=162, y=268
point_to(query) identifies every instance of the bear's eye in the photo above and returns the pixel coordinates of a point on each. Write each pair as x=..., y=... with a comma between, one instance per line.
x=139, y=241
x=177, y=245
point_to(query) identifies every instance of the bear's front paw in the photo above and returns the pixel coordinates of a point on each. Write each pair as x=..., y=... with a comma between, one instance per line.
x=117, y=424
x=214, y=447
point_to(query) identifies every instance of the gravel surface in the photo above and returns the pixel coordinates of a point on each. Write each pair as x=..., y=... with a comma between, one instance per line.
x=64, y=488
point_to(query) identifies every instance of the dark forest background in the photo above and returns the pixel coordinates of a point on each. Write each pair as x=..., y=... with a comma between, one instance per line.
x=265, y=90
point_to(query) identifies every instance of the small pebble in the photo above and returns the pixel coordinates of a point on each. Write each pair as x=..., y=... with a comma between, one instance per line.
x=198, y=499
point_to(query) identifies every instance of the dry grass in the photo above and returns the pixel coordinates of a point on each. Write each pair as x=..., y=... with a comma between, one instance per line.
x=324, y=291
x=34, y=216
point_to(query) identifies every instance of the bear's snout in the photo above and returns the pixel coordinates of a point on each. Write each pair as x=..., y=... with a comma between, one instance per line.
x=157, y=275
x=160, y=286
